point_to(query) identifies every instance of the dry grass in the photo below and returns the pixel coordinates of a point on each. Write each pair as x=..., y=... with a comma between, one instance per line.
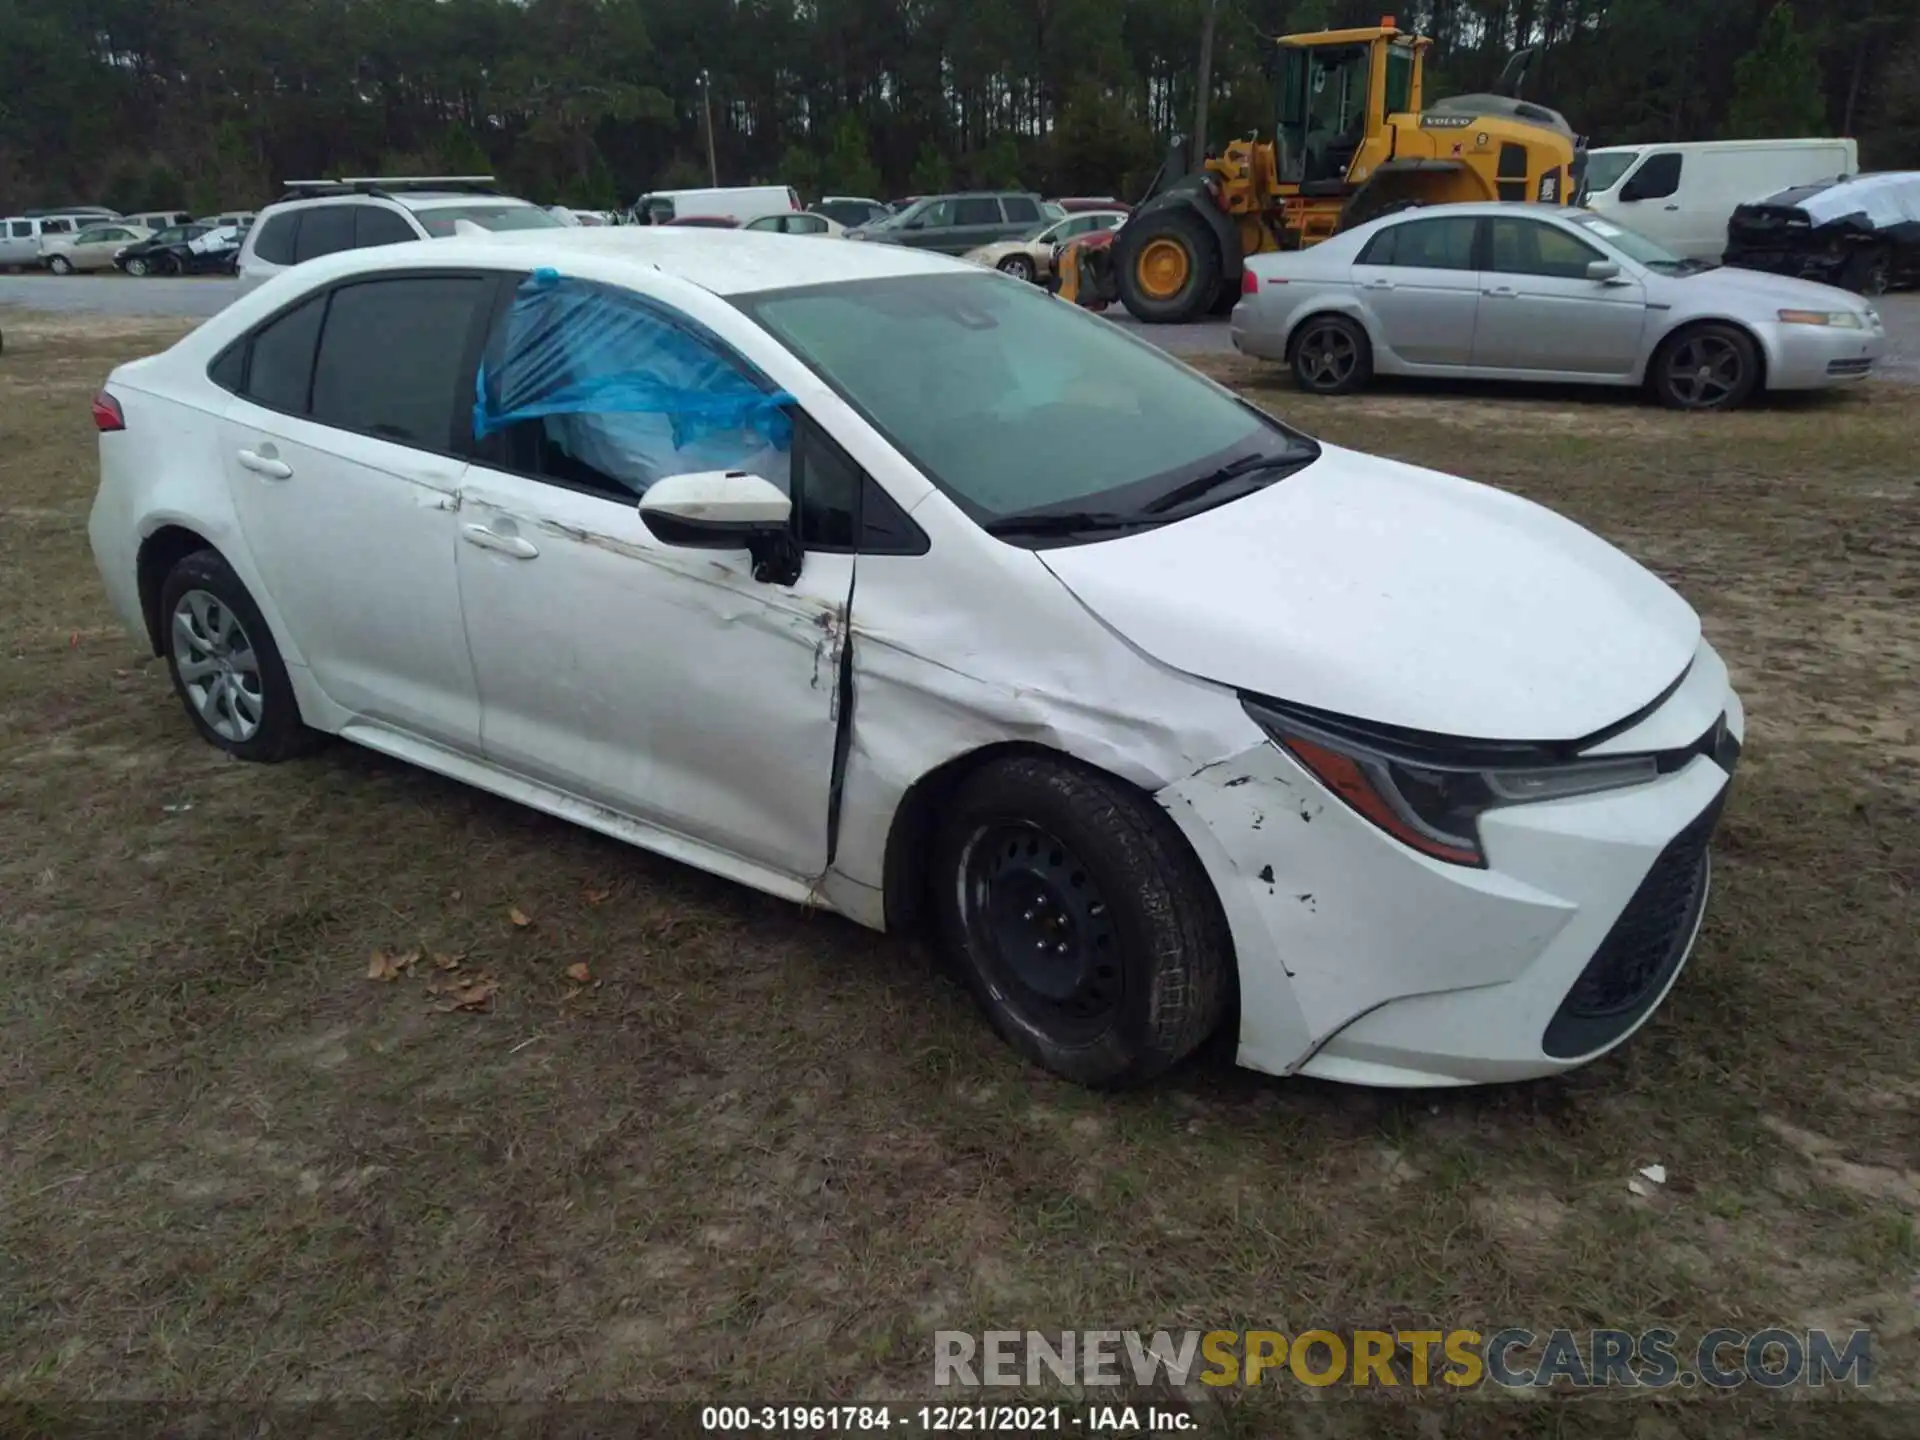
x=767, y=1153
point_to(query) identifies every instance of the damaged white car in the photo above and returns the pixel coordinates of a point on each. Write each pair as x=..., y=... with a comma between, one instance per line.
x=872, y=581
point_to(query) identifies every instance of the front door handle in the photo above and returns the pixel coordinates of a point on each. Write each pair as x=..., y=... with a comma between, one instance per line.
x=1673, y=207
x=1501, y=292
x=1379, y=285
x=514, y=545
x=267, y=465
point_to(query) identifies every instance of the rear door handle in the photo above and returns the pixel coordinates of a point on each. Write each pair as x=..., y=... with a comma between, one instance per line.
x=1379, y=285
x=1673, y=207
x=514, y=545
x=1501, y=292
x=265, y=465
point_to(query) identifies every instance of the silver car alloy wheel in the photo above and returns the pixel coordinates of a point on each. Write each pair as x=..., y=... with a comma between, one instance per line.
x=217, y=666
x=137, y=267
x=1328, y=355
x=1704, y=371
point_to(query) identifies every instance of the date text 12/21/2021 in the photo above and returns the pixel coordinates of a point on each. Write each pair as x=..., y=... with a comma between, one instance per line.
x=946, y=1419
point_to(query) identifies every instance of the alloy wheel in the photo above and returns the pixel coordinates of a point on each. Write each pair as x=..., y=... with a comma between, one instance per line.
x=1328, y=357
x=1705, y=371
x=1041, y=928
x=217, y=666
x=136, y=267
x=1018, y=266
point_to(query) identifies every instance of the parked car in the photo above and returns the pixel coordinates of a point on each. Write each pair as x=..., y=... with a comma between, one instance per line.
x=93, y=248
x=237, y=219
x=1082, y=204
x=323, y=217
x=21, y=237
x=1031, y=256
x=1158, y=722
x=194, y=249
x=955, y=224
x=704, y=222
x=1501, y=291
x=804, y=222
x=848, y=211
x=1681, y=196
x=740, y=202
x=1863, y=234
x=160, y=219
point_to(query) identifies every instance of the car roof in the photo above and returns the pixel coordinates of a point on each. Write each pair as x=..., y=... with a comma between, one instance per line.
x=725, y=262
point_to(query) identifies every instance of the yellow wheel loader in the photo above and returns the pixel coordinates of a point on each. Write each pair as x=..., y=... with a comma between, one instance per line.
x=1354, y=140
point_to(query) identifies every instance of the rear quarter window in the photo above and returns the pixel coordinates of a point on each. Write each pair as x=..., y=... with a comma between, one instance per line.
x=275, y=241
x=393, y=360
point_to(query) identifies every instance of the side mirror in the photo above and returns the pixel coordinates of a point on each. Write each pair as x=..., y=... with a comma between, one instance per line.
x=726, y=510
x=1604, y=271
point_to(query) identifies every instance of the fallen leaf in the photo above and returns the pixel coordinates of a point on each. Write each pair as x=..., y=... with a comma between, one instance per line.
x=519, y=917
x=1639, y=1188
x=382, y=966
x=407, y=961
x=377, y=966
x=453, y=894
x=446, y=962
x=578, y=972
x=477, y=996
x=570, y=994
x=434, y=987
x=598, y=897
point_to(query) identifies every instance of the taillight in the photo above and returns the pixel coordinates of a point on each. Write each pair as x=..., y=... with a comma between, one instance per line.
x=1249, y=283
x=107, y=414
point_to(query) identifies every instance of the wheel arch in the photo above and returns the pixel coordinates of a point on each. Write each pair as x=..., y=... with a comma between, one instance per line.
x=159, y=552
x=1347, y=309
x=1194, y=197
x=1673, y=332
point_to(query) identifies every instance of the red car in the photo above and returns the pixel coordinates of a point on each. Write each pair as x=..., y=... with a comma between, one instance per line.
x=1074, y=204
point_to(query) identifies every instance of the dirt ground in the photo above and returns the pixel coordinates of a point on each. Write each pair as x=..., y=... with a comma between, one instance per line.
x=757, y=1152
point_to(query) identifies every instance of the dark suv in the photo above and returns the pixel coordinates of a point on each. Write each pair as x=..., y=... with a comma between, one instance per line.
x=955, y=224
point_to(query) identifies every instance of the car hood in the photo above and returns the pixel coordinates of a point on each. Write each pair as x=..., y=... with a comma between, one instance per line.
x=1768, y=292
x=1387, y=593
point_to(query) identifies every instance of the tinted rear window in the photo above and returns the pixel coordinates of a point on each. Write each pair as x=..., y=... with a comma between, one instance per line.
x=373, y=225
x=324, y=230
x=280, y=372
x=276, y=239
x=392, y=360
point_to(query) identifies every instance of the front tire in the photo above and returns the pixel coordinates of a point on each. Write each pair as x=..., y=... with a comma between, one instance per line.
x=137, y=266
x=1168, y=266
x=1018, y=266
x=1870, y=273
x=1707, y=367
x=1082, y=923
x=1331, y=355
x=226, y=668
x=60, y=265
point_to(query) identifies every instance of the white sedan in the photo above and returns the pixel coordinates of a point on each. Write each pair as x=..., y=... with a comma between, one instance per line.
x=1502, y=291
x=862, y=577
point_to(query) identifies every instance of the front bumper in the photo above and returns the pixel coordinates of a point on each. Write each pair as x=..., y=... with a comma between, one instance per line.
x=1814, y=357
x=1363, y=961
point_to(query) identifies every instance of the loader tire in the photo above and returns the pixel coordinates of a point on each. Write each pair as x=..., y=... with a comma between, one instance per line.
x=1168, y=266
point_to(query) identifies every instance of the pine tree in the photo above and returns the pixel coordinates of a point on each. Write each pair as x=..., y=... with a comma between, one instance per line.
x=1776, y=85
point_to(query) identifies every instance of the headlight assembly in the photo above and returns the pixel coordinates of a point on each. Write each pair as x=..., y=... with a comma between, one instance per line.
x=1433, y=803
x=1834, y=319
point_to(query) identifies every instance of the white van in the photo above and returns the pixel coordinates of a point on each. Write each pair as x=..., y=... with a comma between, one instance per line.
x=1683, y=195
x=741, y=203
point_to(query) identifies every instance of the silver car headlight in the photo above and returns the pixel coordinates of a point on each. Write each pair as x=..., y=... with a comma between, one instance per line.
x=1835, y=319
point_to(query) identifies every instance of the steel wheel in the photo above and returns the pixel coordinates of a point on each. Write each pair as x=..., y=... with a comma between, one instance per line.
x=1018, y=266
x=1041, y=927
x=1706, y=371
x=218, y=668
x=137, y=266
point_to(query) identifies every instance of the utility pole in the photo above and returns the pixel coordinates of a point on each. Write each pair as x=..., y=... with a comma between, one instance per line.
x=1205, y=84
x=706, y=117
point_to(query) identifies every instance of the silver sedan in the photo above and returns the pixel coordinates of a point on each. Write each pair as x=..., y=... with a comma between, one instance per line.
x=1535, y=292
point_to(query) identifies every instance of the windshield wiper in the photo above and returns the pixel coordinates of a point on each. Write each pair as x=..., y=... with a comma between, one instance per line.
x=1246, y=465
x=1064, y=522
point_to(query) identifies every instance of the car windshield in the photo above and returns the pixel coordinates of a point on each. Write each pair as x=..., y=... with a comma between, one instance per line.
x=1636, y=246
x=1024, y=409
x=1039, y=231
x=1604, y=171
x=439, y=220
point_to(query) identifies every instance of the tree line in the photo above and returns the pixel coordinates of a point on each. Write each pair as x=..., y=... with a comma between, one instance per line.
x=147, y=104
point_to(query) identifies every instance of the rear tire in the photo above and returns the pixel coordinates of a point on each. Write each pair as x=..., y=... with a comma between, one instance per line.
x=1330, y=355
x=1168, y=266
x=225, y=666
x=1706, y=367
x=1083, y=925
x=60, y=265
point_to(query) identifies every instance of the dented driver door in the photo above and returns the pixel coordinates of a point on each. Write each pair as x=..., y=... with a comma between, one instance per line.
x=664, y=683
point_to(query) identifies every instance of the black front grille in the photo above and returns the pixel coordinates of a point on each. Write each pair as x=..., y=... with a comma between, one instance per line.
x=1641, y=952
x=1858, y=366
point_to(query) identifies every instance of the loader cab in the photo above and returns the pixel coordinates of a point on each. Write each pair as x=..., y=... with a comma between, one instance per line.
x=1336, y=90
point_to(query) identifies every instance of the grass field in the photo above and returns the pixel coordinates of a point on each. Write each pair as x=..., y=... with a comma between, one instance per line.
x=761, y=1152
